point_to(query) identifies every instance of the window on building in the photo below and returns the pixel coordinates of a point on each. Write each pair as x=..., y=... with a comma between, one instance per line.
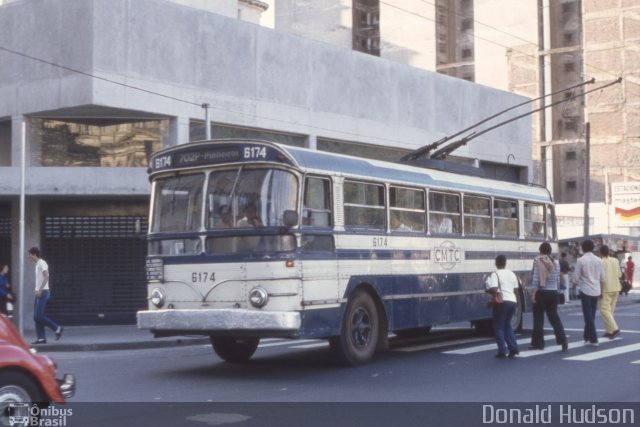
x=467, y=24
x=407, y=209
x=466, y=53
x=568, y=38
x=96, y=142
x=571, y=125
x=569, y=67
x=572, y=185
x=218, y=131
x=570, y=155
x=364, y=205
x=367, y=151
x=568, y=7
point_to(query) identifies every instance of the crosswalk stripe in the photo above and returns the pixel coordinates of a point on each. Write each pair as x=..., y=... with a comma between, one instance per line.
x=555, y=348
x=316, y=345
x=284, y=342
x=487, y=347
x=624, y=331
x=636, y=362
x=605, y=353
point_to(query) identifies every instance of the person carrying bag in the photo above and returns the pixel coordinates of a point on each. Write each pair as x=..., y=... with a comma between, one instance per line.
x=502, y=285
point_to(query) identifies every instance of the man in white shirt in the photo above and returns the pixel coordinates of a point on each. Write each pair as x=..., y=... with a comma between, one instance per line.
x=589, y=276
x=42, y=296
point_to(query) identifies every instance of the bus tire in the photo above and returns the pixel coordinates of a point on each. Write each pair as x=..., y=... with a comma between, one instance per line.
x=235, y=349
x=359, y=332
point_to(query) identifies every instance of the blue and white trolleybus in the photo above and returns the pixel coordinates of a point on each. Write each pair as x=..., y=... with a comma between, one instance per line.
x=251, y=239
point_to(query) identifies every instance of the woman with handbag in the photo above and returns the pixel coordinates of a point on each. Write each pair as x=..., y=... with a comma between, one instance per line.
x=502, y=285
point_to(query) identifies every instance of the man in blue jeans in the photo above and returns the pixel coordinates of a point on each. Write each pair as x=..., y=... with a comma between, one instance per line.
x=42, y=296
x=589, y=276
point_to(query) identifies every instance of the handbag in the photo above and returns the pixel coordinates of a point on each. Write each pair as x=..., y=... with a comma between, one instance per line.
x=496, y=297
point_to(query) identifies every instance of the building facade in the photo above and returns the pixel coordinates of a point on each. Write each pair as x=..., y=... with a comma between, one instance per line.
x=533, y=48
x=86, y=101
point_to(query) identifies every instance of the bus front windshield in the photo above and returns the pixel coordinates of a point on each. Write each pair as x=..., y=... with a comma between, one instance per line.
x=249, y=198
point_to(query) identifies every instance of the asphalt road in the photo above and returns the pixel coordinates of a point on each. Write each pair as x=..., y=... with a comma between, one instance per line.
x=450, y=365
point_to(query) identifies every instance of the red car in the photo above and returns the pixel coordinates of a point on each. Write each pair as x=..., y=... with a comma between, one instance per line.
x=26, y=376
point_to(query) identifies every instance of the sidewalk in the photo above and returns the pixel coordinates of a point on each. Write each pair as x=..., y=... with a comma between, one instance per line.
x=122, y=337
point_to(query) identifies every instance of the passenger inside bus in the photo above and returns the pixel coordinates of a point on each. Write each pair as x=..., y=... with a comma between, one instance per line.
x=250, y=218
x=226, y=220
x=440, y=224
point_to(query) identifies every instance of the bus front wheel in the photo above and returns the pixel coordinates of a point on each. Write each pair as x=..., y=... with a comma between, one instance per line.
x=235, y=349
x=359, y=332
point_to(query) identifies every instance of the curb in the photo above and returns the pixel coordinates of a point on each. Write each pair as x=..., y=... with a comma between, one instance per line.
x=131, y=345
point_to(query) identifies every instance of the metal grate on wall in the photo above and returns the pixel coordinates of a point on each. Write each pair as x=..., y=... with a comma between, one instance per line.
x=97, y=268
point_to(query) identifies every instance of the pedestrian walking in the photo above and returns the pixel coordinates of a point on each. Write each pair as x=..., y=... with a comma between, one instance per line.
x=506, y=282
x=589, y=276
x=545, y=281
x=610, y=291
x=629, y=269
x=42, y=296
x=565, y=269
x=6, y=296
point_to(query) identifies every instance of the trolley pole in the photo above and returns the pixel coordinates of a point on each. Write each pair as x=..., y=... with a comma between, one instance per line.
x=587, y=177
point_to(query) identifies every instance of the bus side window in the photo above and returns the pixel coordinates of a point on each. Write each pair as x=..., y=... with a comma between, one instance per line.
x=505, y=214
x=364, y=205
x=317, y=203
x=406, y=208
x=534, y=224
x=444, y=213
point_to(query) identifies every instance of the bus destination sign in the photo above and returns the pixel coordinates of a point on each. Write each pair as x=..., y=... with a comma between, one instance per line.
x=208, y=155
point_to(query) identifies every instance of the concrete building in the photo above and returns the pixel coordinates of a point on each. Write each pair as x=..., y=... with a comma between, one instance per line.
x=92, y=87
x=528, y=47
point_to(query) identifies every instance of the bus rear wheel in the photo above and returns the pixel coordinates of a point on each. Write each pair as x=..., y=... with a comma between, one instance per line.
x=359, y=332
x=235, y=349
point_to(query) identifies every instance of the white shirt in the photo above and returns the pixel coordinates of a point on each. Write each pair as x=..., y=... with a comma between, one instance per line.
x=589, y=274
x=41, y=267
x=508, y=283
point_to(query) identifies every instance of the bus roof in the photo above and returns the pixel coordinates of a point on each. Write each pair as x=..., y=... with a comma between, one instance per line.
x=322, y=162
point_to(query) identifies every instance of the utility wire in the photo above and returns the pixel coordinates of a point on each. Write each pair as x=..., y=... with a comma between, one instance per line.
x=443, y=152
x=425, y=150
x=242, y=113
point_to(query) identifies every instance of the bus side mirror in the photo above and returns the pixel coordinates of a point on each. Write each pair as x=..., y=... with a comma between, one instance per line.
x=290, y=218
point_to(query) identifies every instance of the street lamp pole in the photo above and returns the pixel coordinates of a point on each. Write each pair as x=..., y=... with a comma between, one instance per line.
x=587, y=177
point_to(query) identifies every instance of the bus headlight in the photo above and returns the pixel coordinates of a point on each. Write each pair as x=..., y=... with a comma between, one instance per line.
x=258, y=297
x=157, y=297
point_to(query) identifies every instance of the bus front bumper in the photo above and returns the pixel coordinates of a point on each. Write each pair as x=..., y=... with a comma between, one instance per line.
x=213, y=321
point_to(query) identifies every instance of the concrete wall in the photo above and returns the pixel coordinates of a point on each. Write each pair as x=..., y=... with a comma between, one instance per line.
x=251, y=76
